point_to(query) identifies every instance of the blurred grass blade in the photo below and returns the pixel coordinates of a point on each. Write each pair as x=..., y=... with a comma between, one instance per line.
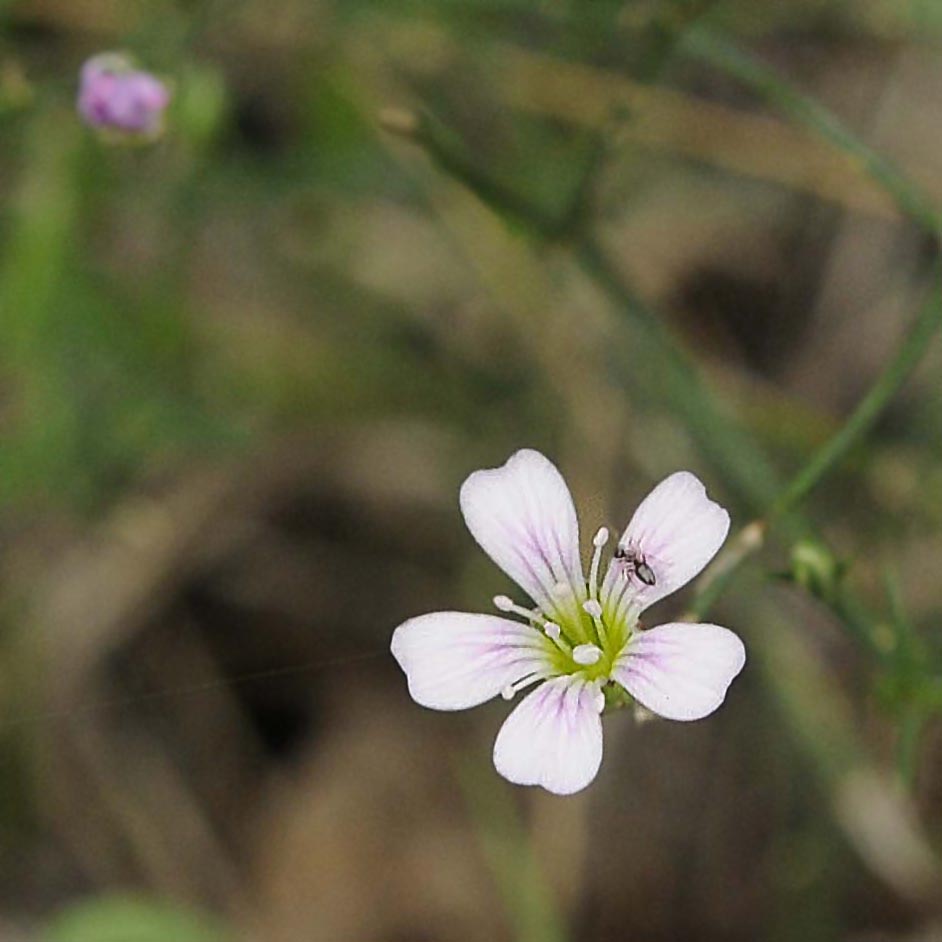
x=506, y=844
x=825, y=460
x=129, y=919
x=884, y=389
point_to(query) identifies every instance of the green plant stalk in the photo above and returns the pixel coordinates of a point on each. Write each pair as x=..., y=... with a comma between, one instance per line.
x=707, y=46
x=909, y=664
x=702, y=43
x=871, y=407
x=874, y=403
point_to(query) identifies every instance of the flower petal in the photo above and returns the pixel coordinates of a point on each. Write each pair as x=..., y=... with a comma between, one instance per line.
x=554, y=737
x=523, y=517
x=676, y=530
x=456, y=660
x=680, y=671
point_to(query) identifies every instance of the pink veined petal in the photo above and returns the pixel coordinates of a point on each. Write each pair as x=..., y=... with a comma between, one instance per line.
x=554, y=737
x=523, y=517
x=456, y=660
x=680, y=671
x=677, y=530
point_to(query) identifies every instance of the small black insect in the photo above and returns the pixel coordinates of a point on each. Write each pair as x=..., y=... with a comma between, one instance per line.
x=635, y=564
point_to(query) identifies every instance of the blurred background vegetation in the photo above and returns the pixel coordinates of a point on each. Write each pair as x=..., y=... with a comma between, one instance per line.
x=383, y=243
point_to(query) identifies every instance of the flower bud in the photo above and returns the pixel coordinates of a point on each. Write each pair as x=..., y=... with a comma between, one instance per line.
x=815, y=568
x=114, y=96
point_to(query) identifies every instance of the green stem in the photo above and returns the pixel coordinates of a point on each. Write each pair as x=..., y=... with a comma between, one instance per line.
x=707, y=46
x=825, y=459
x=448, y=152
x=871, y=407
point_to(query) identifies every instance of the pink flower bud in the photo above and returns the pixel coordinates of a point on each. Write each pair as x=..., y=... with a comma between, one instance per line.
x=113, y=95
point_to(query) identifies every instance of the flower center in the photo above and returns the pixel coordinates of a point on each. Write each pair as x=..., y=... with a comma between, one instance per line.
x=582, y=637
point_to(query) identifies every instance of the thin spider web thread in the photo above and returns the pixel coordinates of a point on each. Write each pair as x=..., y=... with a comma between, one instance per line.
x=185, y=690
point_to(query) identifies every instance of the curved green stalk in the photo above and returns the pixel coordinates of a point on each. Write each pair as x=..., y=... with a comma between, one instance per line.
x=871, y=407
x=709, y=47
x=890, y=381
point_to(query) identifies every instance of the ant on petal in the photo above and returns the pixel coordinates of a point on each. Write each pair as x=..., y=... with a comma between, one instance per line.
x=635, y=564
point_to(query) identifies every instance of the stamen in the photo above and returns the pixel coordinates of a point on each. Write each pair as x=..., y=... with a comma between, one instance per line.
x=511, y=689
x=598, y=541
x=586, y=654
x=553, y=631
x=593, y=608
x=555, y=634
x=623, y=600
x=504, y=603
x=567, y=605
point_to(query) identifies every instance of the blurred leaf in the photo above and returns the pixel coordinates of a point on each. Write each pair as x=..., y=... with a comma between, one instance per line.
x=815, y=568
x=128, y=919
x=201, y=105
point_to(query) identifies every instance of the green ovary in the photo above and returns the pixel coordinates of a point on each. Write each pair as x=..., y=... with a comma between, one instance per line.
x=612, y=642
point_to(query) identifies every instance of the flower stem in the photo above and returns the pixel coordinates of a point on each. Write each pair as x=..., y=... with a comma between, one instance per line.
x=871, y=407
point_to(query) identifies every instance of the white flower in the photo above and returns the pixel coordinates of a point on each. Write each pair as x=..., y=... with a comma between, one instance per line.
x=582, y=643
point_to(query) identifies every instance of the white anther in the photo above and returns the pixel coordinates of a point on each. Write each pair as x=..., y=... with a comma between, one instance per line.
x=600, y=538
x=506, y=604
x=555, y=634
x=592, y=607
x=586, y=654
x=511, y=690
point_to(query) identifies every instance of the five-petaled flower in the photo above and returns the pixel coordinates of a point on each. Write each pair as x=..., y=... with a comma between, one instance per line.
x=114, y=96
x=582, y=642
